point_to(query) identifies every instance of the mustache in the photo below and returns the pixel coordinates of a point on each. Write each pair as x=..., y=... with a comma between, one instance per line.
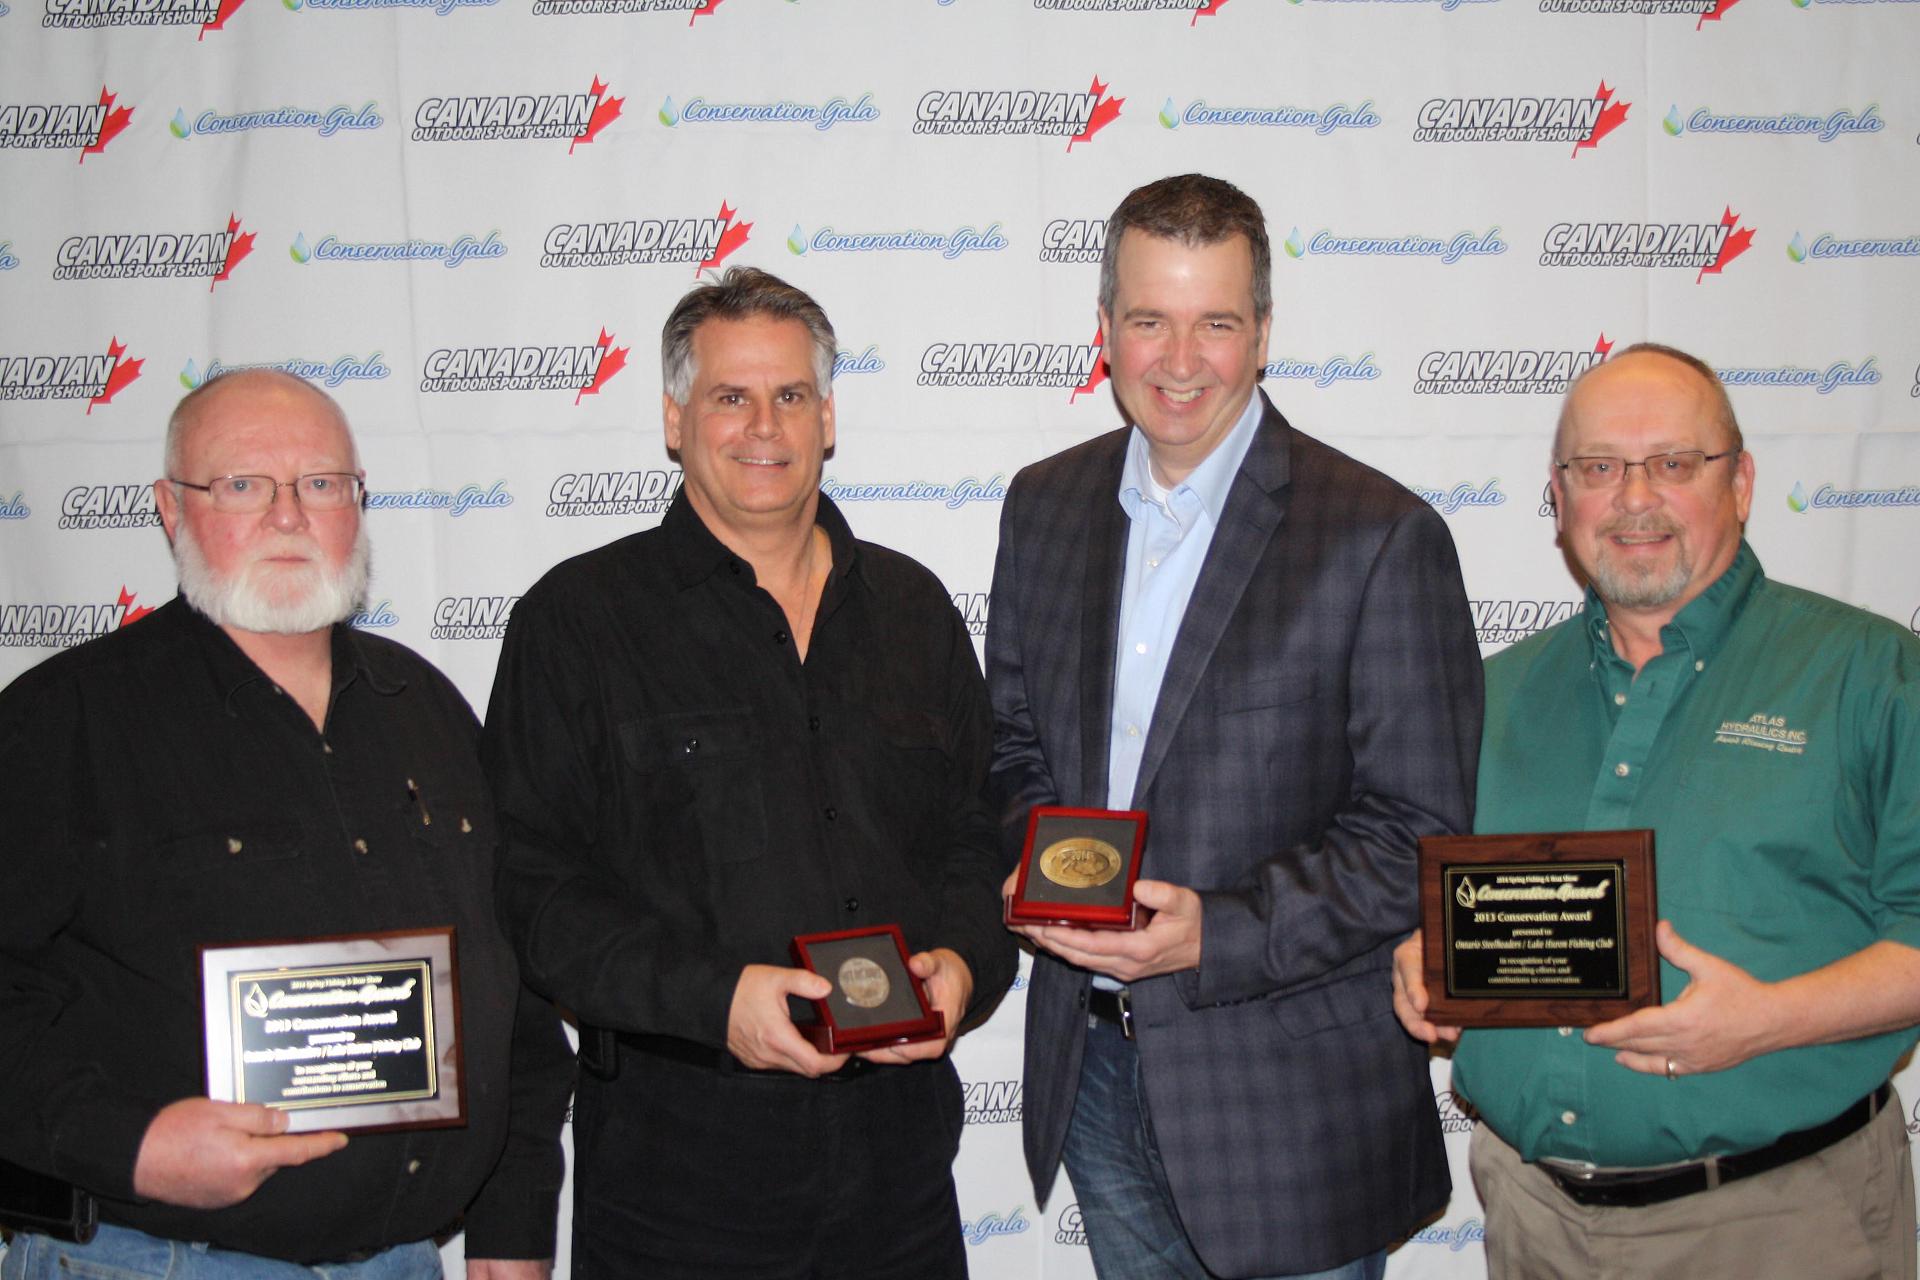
x=1650, y=523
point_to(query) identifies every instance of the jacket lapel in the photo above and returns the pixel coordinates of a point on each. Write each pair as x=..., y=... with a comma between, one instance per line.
x=1100, y=622
x=1255, y=505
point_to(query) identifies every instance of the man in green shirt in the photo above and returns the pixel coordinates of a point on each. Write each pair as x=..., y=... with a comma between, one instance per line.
x=1771, y=739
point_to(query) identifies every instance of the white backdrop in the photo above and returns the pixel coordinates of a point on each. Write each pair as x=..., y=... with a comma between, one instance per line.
x=468, y=219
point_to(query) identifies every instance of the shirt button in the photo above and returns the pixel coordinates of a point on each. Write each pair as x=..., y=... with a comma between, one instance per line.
x=853, y=904
x=1619, y=699
x=1567, y=1117
x=1133, y=731
x=733, y=566
x=1699, y=665
x=1621, y=770
x=813, y=723
x=327, y=747
x=234, y=845
x=832, y=813
x=1566, y=1031
x=780, y=637
x=359, y=846
x=413, y=1166
x=1140, y=647
x=690, y=746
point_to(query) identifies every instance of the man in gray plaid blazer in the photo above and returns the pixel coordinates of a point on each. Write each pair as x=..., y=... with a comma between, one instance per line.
x=1266, y=645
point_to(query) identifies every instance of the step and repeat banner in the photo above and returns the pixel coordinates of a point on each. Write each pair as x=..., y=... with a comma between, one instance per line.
x=467, y=220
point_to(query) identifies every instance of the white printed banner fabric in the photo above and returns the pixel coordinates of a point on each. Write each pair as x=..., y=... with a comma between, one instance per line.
x=468, y=218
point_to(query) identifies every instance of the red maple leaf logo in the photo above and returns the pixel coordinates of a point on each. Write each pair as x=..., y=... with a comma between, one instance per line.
x=1736, y=243
x=605, y=112
x=1207, y=10
x=125, y=601
x=706, y=7
x=1105, y=111
x=1098, y=374
x=730, y=239
x=227, y=9
x=238, y=248
x=117, y=118
x=1716, y=13
x=1601, y=345
x=1612, y=116
x=612, y=360
x=122, y=373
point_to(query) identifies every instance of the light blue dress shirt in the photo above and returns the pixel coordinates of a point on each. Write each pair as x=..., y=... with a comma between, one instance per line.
x=1168, y=536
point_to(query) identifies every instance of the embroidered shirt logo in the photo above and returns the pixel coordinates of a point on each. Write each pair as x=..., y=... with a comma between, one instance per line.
x=1768, y=733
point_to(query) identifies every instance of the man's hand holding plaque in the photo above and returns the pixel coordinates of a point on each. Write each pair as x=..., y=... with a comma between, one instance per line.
x=1535, y=930
x=355, y=1033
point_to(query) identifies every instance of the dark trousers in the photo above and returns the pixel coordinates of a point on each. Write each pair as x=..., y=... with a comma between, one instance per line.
x=687, y=1171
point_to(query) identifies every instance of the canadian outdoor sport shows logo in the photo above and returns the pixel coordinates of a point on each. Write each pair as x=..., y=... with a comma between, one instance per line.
x=1581, y=121
x=1703, y=247
x=700, y=242
x=577, y=117
x=1077, y=117
x=205, y=254
x=88, y=126
x=68, y=375
x=1490, y=371
x=582, y=368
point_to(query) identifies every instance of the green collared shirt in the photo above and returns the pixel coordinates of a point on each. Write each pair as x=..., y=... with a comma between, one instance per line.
x=1774, y=748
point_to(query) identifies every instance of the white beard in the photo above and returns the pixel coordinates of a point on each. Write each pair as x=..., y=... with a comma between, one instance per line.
x=277, y=601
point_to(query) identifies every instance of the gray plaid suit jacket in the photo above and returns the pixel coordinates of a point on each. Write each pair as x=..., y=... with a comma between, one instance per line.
x=1320, y=712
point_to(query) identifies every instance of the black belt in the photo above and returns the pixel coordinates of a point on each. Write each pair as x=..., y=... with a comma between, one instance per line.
x=1112, y=1006
x=1632, y=1188
x=694, y=1054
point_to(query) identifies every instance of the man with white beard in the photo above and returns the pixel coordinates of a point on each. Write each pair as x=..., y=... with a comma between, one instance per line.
x=242, y=765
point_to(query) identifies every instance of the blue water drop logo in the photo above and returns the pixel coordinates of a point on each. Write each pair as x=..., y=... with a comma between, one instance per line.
x=298, y=250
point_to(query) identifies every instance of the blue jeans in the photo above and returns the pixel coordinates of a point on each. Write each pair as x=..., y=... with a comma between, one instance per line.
x=121, y=1253
x=1126, y=1206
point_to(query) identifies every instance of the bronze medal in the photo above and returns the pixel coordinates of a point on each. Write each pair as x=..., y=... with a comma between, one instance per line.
x=1080, y=862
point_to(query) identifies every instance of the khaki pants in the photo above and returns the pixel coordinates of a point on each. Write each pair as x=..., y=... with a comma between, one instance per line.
x=1846, y=1213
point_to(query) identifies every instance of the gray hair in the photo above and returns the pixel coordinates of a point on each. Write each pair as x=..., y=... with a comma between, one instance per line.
x=1195, y=210
x=1717, y=392
x=741, y=292
x=185, y=414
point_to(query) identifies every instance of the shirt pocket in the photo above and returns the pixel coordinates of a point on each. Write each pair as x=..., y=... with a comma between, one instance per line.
x=227, y=883
x=908, y=784
x=701, y=780
x=1753, y=821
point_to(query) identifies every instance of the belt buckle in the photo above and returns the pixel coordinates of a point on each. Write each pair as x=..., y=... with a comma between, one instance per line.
x=1123, y=1000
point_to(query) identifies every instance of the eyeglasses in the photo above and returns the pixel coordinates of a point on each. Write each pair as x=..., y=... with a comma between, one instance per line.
x=1661, y=468
x=321, y=491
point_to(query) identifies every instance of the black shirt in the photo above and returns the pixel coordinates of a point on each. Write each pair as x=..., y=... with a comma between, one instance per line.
x=160, y=794
x=680, y=795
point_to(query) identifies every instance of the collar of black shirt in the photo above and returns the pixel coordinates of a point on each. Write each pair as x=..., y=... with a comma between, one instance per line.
x=355, y=656
x=697, y=555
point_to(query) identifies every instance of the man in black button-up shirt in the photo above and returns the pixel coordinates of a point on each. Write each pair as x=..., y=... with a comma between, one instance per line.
x=241, y=765
x=711, y=737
